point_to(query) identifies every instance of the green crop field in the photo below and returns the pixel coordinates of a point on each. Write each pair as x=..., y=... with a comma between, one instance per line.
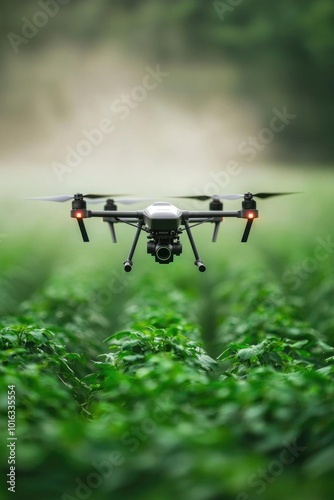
x=165, y=382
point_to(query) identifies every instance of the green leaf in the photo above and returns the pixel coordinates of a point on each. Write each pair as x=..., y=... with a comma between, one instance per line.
x=252, y=351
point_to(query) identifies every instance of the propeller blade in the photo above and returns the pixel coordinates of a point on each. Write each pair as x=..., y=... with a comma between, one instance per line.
x=83, y=230
x=122, y=201
x=230, y=197
x=61, y=198
x=203, y=197
x=195, y=197
x=97, y=198
x=95, y=201
x=130, y=201
x=269, y=195
x=101, y=196
x=257, y=195
x=213, y=197
x=247, y=231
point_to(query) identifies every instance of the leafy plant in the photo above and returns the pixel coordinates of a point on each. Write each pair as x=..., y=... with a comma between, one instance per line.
x=149, y=402
x=133, y=349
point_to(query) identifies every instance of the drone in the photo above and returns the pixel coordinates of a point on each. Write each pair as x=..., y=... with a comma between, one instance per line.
x=163, y=222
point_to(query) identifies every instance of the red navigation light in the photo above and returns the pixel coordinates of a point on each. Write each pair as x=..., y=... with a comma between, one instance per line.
x=78, y=215
x=250, y=216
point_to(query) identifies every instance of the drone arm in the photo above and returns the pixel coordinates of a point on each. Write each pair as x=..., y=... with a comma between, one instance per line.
x=115, y=214
x=210, y=214
x=246, y=213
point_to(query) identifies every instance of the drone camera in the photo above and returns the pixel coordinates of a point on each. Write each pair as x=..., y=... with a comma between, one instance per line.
x=163, y=252
x=164, y=249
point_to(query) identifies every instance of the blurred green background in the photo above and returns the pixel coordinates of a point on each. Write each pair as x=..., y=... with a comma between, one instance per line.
x=231, y=66
x=231, y=62
x=251, y=56
x=230, y=69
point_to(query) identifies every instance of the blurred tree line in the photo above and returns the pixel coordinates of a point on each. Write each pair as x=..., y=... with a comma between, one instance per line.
x=284, y=50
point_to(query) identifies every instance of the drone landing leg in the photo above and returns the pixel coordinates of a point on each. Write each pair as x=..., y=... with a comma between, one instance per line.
x=198, y=262
x=83, y=230
x=112, y=231
x=128, y=262
x=215, y=232
x=247, y=231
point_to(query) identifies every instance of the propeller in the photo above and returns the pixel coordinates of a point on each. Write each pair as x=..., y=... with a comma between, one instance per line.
x=68, y=197
x=204, y=197
x=131, y=201
x=122, y=201
x=230, y=196
x=263, y=196
x=93, y=198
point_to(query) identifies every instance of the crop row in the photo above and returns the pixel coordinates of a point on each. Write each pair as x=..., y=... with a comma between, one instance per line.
x=149, y=414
